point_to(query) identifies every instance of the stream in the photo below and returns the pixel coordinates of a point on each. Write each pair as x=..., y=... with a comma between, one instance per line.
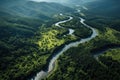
x=51, y=65
x=71, y=31
x=100, y=52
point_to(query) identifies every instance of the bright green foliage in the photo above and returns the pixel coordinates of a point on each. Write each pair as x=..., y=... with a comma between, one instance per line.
x=49, y=41
x=78, y=63
x=113, y=53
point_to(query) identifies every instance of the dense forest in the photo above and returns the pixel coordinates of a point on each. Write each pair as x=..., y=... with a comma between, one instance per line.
x=22, y=38
x=29, y=37
x=81, y=63
x=78, y=63
x=20, y=33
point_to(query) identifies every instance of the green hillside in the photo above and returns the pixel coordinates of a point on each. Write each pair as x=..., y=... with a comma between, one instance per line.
x=108, y=8
x=79, y=63
x=29, y=39
x=20, y=26
x=42, y=10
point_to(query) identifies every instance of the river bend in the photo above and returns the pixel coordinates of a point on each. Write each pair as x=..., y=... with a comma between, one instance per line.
x=42, y=74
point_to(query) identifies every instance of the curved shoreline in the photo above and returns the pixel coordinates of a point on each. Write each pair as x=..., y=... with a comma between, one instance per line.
x=102, y=50
x=71, y=31
x=51, y=64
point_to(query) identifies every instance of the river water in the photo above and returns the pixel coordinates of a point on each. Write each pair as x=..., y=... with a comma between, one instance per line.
x=42, y=74
x=71, y=31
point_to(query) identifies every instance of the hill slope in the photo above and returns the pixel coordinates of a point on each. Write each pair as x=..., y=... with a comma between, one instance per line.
x=41, y=10
x=104, y=7
x=20, y=23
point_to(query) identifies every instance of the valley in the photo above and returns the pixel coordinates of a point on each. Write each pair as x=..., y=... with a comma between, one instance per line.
x=51, y=63
x=69, y=41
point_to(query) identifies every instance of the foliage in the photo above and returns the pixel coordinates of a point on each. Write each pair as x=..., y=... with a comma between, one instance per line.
x=78, y=63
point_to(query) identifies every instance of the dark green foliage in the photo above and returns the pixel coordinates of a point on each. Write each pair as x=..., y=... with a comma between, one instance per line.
x=101, y=22
x=83, y=32
x=21, y=57
x=42, y=10
x=80, y=30
x=16, y=42
x=108, y=8
x=103, y=13
x=20, y=27
x=78, y=63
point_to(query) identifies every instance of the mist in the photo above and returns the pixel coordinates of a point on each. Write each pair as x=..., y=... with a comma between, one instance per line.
x=57, y=1
x=65, y=1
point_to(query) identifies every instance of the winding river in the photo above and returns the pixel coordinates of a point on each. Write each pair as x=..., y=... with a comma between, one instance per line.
x=42, y=74
x=71, y=31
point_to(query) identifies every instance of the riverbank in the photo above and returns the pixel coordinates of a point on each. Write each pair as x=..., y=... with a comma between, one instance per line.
x=73, y=44
x=78, y=62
